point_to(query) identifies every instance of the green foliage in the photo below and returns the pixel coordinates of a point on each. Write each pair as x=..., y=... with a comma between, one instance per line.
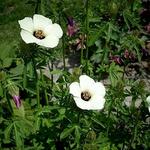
x=48, y=117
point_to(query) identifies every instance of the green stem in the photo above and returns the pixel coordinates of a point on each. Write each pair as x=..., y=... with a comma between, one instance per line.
x=36, y=82
x=45, y=92
x=87, y=34
x=87, y=28
x=25, y=76
x=63, y=53
x=37, y=6
x=81, y=57
x=38, y=94
x=60, y=17
x=9, y=103
x=51, y=69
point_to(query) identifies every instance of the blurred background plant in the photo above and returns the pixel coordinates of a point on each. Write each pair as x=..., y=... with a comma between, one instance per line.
x=105, y=39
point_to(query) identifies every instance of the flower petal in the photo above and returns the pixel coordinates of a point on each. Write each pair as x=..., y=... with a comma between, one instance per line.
x=148, y=101
x=89, y=105
x=27, y=37
x=82, y=104
x=54, y=29
x=100, y=89
x=40, y=22
x=48, y=41
x=86, y=83
x=26, y=24
x=17, y=100
x=97, y=102
x=57, y=30
x=75, y=89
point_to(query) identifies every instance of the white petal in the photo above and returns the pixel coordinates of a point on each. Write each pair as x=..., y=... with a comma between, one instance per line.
x=100, y=89
x=148, y=100
x=26, y=24
x=86, y=83
x=149, y=109
x=75, y=89
x=40, y=22
x=97, y=102
x=54, y=29
x=82, y=104
x=48, y=41
x=89, y=105
x=27, y=37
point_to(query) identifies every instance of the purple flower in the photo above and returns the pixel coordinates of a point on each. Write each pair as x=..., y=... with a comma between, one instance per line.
x=17, y=100
x=116, y=59
x=72, y=28
x=80, y=42
x=129, y=56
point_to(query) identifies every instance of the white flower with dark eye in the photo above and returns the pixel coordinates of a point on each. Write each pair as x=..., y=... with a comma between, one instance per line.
x=148, y=102
x=88, y=94
x=40, y=30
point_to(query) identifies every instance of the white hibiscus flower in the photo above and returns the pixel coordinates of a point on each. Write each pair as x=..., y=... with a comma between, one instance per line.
x=40, y=30
x=88, y=94
x=148, y=102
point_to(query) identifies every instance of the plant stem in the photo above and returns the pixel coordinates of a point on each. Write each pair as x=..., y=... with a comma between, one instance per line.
x=25, y=76
x=63, y=53
x=87, y=28
x=45, y=93
x=36, y=82
x=37, y=6
x=8, y=100
x=38, y=94
x=87, y=33
x=51, y=68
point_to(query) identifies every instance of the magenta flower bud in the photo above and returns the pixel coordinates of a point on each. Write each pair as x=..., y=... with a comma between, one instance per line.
x=70, y=21
x=116, y=59
x=17, y=100
x=72, y=28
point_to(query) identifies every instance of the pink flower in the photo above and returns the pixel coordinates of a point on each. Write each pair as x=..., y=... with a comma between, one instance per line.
x=72, y=28
x=129, y=55
x=116, y=59
x=80, y=42
x=17, y=100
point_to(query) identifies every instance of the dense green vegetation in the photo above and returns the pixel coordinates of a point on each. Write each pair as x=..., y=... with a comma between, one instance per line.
x=107, y=40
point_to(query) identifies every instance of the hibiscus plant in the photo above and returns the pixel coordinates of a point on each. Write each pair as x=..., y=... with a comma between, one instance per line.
x=74, y=75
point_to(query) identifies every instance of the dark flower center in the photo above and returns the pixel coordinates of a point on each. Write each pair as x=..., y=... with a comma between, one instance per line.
x=85, y=96
x=39, y=34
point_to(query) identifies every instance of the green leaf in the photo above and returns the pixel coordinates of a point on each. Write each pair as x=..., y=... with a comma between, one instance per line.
x=77, y=134
x=17, y=70
x=7, y=62
x=7, y=131
x=17, y=136
x=1, y=90
x=94, y=36
x=66, y=132
x=98, y=122
x=20, y=112
x=115, y=74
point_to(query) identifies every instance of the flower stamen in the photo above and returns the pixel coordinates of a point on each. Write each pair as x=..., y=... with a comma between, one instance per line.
x=85, y=96
x=39, y=34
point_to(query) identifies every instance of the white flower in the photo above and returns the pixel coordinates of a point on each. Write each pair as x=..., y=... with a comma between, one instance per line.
x=88, y=94
x=148, y=102
x=41, y=31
